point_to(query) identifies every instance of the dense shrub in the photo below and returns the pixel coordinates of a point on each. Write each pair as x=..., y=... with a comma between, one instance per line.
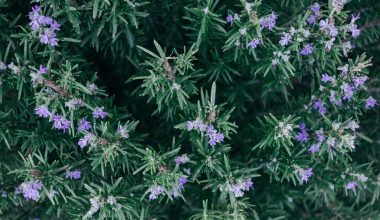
x=183, y=109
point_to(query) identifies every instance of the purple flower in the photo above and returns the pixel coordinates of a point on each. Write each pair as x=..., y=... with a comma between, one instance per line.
x=320, y=135
x=181, y=159
x=230, y=19
x=74, y=175
x=49, y=37
x=318, y=105
x=311, y=19
x=354, y=18
x=55, y=26
x=254, y=43
x=155, y=191
x=355, y=32
x=370, y=102
x=268, y=22
x=214, y=136
x=307, y=50
x=314, y=148
x=83, y=142
x=326, y=78
x=83, y=125
x=302, y=136
x=306, y=174
x=285, y=39
x=42, y=111
x=99, y=113
x=351, y=185
x=42, y=70
x=333, y=99
x=182, y=181
x=348, y=91
x=315, y=8
x=359, y=81
x=31, y=190
x=61, y=123
x=241, y=186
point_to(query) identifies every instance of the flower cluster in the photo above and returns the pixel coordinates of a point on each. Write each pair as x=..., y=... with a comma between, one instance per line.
x=179, y=187
x=240, y=187
x=302, y=136
x=61, y=123
x=305, y=174
x=268, y=21
x=213, y=135
x=181, y=159
x=307, y=50
x=96, y=204
x=315, y=13
x=37, y=76
x=83, y=142
x=155, y=191
x=46, y=26
x=74, y=175
x=351, y=185
x=99, y=113
x=31, y=189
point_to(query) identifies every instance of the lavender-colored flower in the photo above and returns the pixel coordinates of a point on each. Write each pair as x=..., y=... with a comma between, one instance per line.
x=214, y=136
x=285, y=39
x=155, y=191
x=333, y=98
x=191, y=125
x=254, y=43
x=307, y=50
x=302, y=136
x=359, y=81
x=49, y=37
x=370, y=102
x=83, y=142
x=73, y=103
x=74, y=175
x=351, y=185
x=315, y=8
x=181, y=159
x=31, y=190
x=42, y=69
x=305, y=174
x=61, y=123
x=338, y=5
x=320, y=136
x=182, y=181
x=326, y=78
x=355, y=31
x=314, y=148
x=330, y=142
x=348, y=91
x=55, y=26
x=329, y=44
x=123, y=131
x=99, y=113
x=319, y=105
x=241, y=186
x=83, y=125
x=311, y=19
x=230, y=19
x=42, y=111
x=268, y=22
